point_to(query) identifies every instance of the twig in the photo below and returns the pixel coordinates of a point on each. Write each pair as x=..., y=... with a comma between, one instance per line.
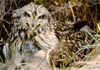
x=16, y=4
x=91, y=46
x=72, y=11
x=6, y=21
x=5, y=29
x=54, y=67
x=98, y=26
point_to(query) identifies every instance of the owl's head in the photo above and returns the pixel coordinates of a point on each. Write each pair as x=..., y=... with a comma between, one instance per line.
x=32, y=19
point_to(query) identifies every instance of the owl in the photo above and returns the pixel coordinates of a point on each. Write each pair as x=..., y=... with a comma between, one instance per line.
x=32, y=31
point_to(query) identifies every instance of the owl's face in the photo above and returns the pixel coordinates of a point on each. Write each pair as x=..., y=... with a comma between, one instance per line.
x=31, y=19
x=23, y=16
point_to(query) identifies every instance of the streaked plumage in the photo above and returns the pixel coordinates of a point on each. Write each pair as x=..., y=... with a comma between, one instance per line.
x=71, y=44
x=32, y=31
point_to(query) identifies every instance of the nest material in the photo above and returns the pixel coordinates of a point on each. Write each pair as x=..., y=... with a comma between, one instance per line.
x=72, y=49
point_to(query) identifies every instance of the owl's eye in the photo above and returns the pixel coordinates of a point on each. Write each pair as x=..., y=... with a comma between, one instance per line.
x=27, y=24
x=26, y=14
x=42, y=16
x=37, y=26
x=17, y=17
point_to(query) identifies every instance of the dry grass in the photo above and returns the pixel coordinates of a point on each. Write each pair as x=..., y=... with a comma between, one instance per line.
x=92, y=60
